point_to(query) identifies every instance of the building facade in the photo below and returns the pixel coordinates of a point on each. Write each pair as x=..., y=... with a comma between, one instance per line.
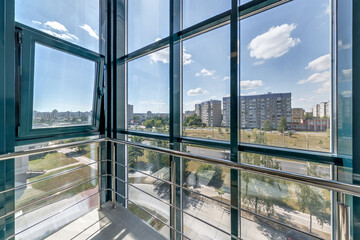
x=226, y=112
x=210, y=112
x=321, y=110
x=255, y=109
x=297, y=115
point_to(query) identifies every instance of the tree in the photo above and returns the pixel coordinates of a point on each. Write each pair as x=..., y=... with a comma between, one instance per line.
x=308, y=116
x=220, y=191
x=282, y=125
x=311, y=200
x=266, y=125
x=216, y=180
x=158, y=160
x=193, y=121
x=261, y=195
x=134, y=153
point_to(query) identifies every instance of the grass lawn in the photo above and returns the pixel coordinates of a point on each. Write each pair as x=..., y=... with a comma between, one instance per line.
x=317, y=141
x=50, y=161
x=147, y=217
x=47, y=187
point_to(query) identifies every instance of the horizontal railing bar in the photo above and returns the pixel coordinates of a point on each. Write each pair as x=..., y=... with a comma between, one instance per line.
x=299, y=178
x=48, y=177
x=47, y=149
x=216, y=200
x=12, y=236
x=109, y=189
x=289, y=176
x=170, y=205
x=47, y=197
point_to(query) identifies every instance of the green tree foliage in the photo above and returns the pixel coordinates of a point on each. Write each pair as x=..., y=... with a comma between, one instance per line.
x=157, y=122
x=282, y=125
x=312, y=201
x=308, y=116
x=193, y=121
x=266, y=125
x=158, y=160
x=261, y=196
x=133, y=152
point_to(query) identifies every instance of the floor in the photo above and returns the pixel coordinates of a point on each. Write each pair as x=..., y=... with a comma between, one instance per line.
x=109, y=223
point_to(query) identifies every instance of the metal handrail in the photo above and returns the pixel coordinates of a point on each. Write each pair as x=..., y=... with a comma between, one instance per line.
x=290, y=176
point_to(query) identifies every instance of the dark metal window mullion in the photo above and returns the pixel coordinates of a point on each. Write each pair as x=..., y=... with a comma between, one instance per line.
x=175, y=114
x=234, y=174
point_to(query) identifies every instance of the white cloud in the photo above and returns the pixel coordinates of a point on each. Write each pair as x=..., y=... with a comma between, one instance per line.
x=152, y=102
x=347, y=72
x=204, y=72
x=316, y=78
x=226, y=78
x=250, y=84
x=320, y=64
x=91, y=31
x=160, y=56
x=196, y=92
x=249, y=93
x=257, y=63
x=346, y=93
x=65, y=36
x=36, y=22
x=273, y=43
x=56, y=26
x=186, y=57
x=343, y=46
x=164, y=56
x=325, y=87
x=327, y=9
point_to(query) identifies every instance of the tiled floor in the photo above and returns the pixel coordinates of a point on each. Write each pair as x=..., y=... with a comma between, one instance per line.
x=109, y=223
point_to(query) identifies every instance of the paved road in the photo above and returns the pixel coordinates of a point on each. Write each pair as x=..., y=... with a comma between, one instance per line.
x=286, y=165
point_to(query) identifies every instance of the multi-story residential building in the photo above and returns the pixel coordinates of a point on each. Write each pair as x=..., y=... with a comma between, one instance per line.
x=297, y=115
x=130, y=113
x=198, y=109
x=255, y=109
x=322, y=109
x=210, y=112
x=226, y=112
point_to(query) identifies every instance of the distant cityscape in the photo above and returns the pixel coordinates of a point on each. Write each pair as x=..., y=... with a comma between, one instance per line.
x=257, y=111
x=61, y=119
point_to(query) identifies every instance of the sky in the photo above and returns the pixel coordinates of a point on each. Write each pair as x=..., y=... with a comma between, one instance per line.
x=62, y=81
x=281, y=50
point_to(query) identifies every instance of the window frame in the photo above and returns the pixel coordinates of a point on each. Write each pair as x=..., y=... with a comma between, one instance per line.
x=27, y=38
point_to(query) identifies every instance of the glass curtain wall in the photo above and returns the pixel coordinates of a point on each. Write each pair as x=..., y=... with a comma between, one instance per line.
x=247, y=81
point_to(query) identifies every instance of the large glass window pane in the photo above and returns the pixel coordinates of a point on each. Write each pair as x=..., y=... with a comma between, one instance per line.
x=148, y=92
x=285, y=76
x=50, y=182
x=63, y=89
x=200, y=10
x=148, y=21
x=206, y=186
x=206, y=85
x=76, y=21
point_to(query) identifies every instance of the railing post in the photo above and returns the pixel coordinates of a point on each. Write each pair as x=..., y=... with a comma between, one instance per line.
x=113, y=174
x=173, y=196
x=98, y=158
x=344, y=220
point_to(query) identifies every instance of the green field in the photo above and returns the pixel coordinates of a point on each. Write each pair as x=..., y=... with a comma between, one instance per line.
x=316, y=141
x=50, y=161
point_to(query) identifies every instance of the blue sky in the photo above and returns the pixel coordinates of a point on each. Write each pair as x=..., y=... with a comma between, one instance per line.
x=63, y=81
x=285, y=49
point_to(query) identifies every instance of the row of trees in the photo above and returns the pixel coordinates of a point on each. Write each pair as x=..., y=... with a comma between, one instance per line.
x=261, y=193
x=157, y=122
